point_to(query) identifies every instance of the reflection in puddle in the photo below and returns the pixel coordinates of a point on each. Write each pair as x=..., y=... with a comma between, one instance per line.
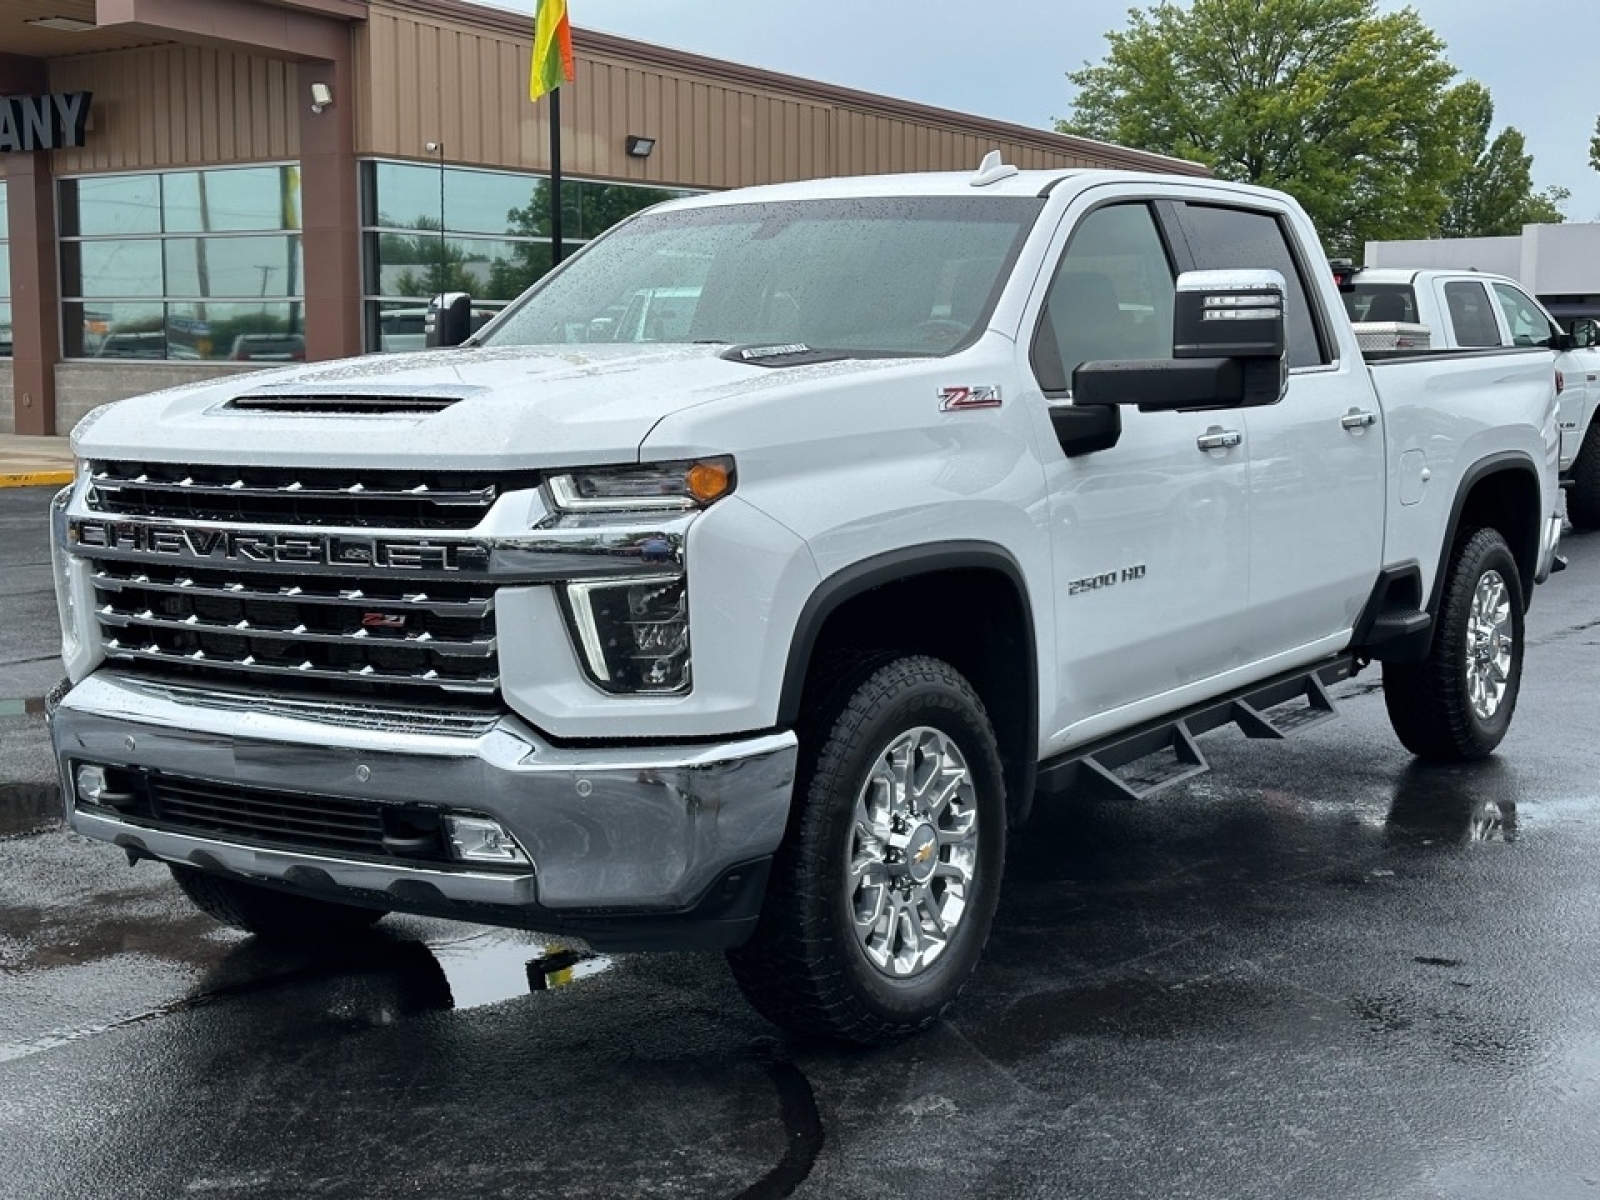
x=487, y=969
x=1470, y=803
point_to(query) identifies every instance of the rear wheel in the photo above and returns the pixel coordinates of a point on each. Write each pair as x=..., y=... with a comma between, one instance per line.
x=279, y=916
x=1583, y=498
x=1457, y=704
x=883, y=894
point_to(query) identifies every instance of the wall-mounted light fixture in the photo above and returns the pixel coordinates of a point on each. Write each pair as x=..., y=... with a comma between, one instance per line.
x=321, y=97
x=640, y=147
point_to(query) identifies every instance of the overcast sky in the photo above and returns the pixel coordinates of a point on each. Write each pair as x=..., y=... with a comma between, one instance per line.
x=1009, y=60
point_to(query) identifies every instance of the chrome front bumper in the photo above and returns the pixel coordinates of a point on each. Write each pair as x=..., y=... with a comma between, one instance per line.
x=612, y=831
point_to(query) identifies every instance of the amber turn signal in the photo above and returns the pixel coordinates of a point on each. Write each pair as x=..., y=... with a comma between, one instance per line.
x=708, y=480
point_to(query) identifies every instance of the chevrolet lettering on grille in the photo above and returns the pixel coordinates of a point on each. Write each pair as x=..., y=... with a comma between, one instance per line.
x=188, y=544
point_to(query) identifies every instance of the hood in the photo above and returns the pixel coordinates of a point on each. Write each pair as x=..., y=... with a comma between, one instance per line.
x=502, y=408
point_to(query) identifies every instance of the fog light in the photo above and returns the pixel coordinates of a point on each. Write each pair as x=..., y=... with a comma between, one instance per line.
x=91, y=783
x=478, y=839
x=97, y=785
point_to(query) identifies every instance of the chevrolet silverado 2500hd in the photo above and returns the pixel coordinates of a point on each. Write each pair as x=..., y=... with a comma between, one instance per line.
x=1470, y=310
x=942, y=492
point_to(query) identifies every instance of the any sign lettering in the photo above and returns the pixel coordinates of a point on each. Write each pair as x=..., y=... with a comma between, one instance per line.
x=54, y=122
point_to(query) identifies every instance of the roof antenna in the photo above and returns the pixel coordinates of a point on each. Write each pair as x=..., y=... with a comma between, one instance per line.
x=991, y=170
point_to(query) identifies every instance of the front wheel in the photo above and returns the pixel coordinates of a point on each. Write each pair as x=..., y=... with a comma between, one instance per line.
x=1456, y=705
x=883, y=894
x=268, y=913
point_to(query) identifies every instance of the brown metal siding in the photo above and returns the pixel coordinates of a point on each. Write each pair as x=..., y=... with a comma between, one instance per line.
x=170, y=106
x=440, y=81
x=442, y=73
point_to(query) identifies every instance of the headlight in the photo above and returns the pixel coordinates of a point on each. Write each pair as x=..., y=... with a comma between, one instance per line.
x=656, y=487
x=633, y=634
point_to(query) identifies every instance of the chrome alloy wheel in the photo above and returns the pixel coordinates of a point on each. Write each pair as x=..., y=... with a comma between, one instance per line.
x=1491, y=638
x=913, y=851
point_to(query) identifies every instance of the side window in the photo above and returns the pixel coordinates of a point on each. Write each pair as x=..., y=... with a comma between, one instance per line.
x=1470, y=314
x=1228, y=239
x=1111, y=297
x=1528, y=325
x=1381, y=303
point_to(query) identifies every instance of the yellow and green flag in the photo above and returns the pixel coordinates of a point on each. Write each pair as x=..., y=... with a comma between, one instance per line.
x=552, y=48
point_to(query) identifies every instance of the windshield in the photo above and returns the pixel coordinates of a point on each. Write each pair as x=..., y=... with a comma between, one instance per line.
x=867, y=276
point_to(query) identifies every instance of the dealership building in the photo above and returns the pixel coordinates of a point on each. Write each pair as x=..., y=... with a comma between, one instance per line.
x=193, y=187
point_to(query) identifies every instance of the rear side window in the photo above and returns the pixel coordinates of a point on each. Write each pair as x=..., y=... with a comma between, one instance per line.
x=1381, y=302
x=1232, y=239
x=1528, y=325
x=1470, y=315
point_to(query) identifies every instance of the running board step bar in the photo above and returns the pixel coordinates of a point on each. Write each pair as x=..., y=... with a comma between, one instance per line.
x=1165, y=753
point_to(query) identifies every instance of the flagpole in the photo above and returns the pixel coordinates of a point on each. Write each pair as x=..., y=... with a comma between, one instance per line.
x=555, y=176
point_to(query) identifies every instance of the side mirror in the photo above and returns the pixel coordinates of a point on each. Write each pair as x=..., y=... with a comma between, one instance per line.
x=448, y=321
x=1229, y=314
x=1228, y=343
x=1585, y=333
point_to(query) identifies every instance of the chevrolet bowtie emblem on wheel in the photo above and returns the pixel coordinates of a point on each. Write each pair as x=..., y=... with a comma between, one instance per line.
x=952, y=399
x=923, y=853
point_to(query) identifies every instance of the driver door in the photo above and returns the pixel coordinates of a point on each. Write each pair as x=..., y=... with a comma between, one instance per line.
x=1150, y=536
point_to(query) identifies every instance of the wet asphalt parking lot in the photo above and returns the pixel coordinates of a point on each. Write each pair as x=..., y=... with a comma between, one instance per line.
x=1320, y=971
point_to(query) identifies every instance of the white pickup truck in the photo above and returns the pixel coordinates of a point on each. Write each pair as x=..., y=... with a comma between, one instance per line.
x=1469, y=310
x=950, y=491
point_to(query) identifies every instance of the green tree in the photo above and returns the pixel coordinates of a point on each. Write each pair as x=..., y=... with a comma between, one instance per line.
x=1353, y=111
x=1494, y=196
x=587, y=210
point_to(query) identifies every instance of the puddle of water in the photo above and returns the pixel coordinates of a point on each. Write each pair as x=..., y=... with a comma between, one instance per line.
x=487, y=969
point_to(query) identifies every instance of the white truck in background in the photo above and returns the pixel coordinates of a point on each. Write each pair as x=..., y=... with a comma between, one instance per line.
x=940, y=492
x=1396, y=309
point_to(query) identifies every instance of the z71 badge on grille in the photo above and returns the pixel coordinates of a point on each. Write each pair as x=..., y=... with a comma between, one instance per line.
x=952, y=399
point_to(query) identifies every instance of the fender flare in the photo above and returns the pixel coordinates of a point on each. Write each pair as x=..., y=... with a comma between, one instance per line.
x=1503, y=461
x=908, y=562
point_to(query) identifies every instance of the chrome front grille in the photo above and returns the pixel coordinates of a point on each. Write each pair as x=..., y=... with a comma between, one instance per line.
x=414, y=500
x=371, y=637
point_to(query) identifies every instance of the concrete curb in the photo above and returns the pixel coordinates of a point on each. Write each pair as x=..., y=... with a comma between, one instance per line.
x=18, y=479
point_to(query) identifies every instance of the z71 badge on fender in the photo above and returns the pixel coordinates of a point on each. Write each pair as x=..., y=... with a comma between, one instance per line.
x=952, y=399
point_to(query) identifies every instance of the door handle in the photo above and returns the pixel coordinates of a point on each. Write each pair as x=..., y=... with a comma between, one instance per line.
x=1358, y=418
x=1218, y=439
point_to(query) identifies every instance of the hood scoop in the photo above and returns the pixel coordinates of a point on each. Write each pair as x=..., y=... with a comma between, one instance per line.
x=347, y=404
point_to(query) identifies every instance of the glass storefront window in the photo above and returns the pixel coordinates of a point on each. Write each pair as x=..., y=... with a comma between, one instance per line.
x=236, y=266
x=112, y=206
x=490, y=238
x=202, y=265
x=245, y=200
x=113, y=268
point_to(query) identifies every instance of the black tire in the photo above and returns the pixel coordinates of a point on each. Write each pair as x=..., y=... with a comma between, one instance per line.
x=268, y=913
x=1431, y=703
x=1583, y=497
x=807, y=968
